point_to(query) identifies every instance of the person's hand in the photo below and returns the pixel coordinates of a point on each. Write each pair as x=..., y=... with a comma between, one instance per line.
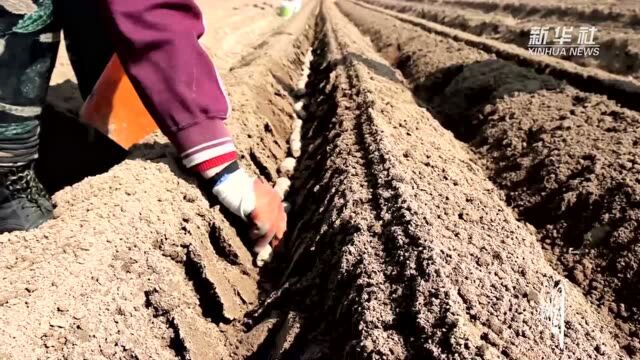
x=268, y=217
x=256, y=202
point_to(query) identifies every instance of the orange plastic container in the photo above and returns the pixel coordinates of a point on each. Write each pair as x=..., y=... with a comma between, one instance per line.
x=115, y=109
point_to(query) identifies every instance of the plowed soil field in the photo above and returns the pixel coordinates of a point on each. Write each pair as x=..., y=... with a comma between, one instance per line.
x=616, y=25
x=454, y=198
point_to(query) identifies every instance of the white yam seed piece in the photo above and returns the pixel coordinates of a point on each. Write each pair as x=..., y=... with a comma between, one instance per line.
x=295, y=136
x=296, y=148
x=298, y=108
x=264, y=256
x=282, y=186
x=300, y=91
x=287, y=166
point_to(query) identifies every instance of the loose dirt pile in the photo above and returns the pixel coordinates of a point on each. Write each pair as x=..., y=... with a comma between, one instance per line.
x=131, y=266
x=566, y=159
x=399, y=246
x=617, y=33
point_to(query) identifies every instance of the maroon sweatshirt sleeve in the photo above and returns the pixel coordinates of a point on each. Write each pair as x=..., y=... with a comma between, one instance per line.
x=157, y=43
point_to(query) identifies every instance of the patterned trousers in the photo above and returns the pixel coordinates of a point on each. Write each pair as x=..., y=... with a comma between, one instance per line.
x=29, y=42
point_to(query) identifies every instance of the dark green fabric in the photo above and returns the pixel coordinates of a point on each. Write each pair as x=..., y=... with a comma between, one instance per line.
x=28, y=23
x=18, y=130
x=36, y=20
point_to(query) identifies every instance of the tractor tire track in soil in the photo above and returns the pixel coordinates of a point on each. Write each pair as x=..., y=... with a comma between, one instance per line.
x=619, y=46
x=566, y=160
x=402, y=248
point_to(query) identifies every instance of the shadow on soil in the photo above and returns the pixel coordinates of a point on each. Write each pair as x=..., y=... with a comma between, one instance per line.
x=457, y=95
x=377, y=67
x=69, y=150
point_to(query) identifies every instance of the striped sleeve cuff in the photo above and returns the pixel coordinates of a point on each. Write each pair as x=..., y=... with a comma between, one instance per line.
x=210, y=167
x=210, y=157
x=208, y=151
x=206, y=147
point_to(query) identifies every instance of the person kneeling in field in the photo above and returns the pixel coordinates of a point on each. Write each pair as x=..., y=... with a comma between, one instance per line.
x=157, y=43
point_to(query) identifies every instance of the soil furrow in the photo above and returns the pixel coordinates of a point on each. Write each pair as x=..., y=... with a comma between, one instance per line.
x=410, y=253
x=618, y=88
x=625, y=14
x=262, y=119
x=564, y=158
x=618, y=48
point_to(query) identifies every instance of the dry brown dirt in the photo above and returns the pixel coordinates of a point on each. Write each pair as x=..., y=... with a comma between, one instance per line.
x=596, y=9
x=617, y=26
x=564, y=158
x=403, y=241
x=129, y=267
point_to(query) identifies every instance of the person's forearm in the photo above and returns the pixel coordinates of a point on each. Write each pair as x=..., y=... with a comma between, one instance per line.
x=157, y=43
